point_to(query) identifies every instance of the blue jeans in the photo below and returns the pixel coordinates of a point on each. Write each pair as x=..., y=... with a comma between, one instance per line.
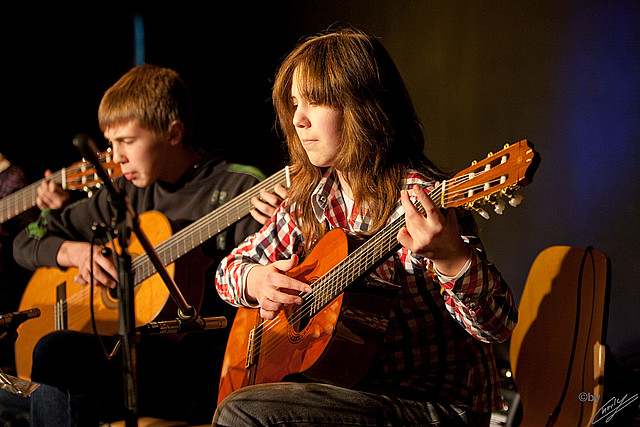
x=311, y=404
x=51, y=406
x=14, y=409
x=85, y=388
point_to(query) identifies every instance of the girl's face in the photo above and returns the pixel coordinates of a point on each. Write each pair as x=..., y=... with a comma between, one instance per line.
x=319, y=128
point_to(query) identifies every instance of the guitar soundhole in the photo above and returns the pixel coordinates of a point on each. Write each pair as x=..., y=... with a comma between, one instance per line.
x=298, y=319
x=109, y=297
x=301, y=316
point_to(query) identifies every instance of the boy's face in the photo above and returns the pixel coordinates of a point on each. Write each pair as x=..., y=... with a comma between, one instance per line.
x=139, y=152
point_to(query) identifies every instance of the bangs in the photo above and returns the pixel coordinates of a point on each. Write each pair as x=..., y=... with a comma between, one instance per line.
x=319, y=76
x=121, y=109
x=110, y=115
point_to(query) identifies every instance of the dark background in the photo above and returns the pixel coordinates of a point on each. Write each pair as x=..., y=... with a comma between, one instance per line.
x=563, y=74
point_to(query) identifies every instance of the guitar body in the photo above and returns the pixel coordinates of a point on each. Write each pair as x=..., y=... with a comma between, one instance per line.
x=66, y=305
x=335, y=346
x=333, y=336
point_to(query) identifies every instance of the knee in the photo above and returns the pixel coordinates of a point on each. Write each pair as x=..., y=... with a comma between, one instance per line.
x=49, y=356
x=226, y=412
x=60, y=355
x=242, y=407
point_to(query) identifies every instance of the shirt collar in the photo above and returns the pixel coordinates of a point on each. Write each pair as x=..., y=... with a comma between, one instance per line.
x=324, y=192
x=329, y=205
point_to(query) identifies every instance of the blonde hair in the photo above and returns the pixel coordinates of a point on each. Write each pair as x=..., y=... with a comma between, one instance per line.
x=382, y=136
x=153, y=96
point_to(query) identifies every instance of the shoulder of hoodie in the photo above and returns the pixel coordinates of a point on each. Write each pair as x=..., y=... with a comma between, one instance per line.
x=219, y=160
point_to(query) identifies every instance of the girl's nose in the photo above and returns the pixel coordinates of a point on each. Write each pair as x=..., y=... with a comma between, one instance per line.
x=300, y=119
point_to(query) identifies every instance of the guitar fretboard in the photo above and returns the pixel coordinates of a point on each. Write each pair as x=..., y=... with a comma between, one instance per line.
x=79, y=176
x=25, y=198
x=206, y=227
x=361, y=261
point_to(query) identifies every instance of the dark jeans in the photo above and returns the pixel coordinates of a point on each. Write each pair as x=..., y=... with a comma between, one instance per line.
x=311, y=404
x=14, y=410
x=175, y=380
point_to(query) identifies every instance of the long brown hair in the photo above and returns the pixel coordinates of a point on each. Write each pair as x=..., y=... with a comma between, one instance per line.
x=381, y=134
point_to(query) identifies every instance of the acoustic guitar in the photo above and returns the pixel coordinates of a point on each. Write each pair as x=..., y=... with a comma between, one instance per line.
x=334, y=334
x=67, y=305
x=81, y=175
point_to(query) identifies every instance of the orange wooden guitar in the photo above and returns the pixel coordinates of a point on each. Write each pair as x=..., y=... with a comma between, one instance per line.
x=334, y=334
x=66, y=305
x=79, y=176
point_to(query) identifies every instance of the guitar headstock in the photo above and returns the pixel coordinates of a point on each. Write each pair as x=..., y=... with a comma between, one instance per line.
x=492, y=180
x=82, y=175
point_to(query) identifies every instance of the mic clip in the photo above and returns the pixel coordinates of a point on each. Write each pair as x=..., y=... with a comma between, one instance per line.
x=176, y=326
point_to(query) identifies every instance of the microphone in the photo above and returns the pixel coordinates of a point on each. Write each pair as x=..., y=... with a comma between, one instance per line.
x=89, y=151
x=18, y=317
x=177, y=326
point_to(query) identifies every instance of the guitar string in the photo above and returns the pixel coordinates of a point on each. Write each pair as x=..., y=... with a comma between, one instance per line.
x=336, y=279
x=83, y=297
x=318, y=285
x=372, y=242
x=24, y=198
x=351, y=266
x=236, y=208
x=143, y=263
x=351, y=271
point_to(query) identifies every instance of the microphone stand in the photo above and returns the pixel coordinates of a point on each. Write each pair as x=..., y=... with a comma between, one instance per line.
x=8, y=333
x=125, y=220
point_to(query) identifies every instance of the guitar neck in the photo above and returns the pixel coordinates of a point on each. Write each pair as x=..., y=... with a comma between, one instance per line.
x=25, y=198
x=360, y=262
x=206, y=227
x=499, y=175
x=79, y=176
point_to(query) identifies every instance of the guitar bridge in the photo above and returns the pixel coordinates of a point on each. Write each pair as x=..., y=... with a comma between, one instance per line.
x=60, y=309
x=251, y=350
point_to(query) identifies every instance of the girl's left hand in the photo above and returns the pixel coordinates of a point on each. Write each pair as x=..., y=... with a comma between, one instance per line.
x=433, y=235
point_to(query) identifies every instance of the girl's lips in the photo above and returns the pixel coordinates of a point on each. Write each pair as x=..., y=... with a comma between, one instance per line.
x=129, y=176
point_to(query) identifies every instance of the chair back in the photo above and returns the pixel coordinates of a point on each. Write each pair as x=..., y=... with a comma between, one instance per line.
x=557, y=348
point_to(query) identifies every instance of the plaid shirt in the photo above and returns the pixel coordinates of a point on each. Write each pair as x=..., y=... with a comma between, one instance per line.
x=439, y=332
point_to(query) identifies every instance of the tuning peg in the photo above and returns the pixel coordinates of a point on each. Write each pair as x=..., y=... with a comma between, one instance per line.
x=499, y=206
x=482, y=213
x=515, y=200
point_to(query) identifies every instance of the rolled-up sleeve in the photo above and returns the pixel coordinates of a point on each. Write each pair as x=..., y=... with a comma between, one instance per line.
x=480, y=301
